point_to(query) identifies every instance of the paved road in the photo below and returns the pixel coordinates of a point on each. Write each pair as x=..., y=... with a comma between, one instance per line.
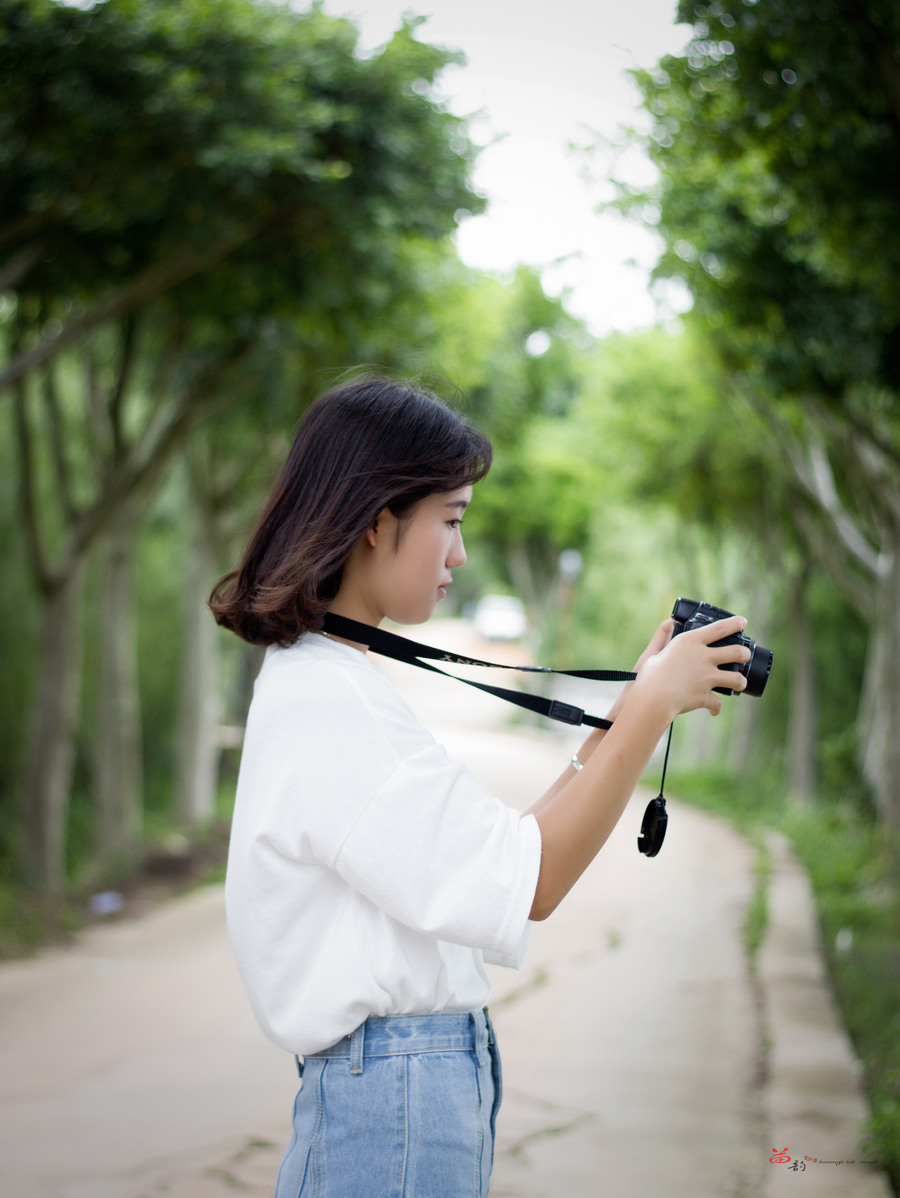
x=640, y=1058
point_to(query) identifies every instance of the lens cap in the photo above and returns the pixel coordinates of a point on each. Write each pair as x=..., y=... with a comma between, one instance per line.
x=653, y=828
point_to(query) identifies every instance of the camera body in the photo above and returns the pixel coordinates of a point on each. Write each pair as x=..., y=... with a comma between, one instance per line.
x=689, y=614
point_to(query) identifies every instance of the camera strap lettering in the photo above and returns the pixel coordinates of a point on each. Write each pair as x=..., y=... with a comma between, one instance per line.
x=412, y=653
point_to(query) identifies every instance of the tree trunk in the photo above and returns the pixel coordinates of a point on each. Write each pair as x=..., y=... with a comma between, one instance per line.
x=743, y=736
x=117, y=742
x=803, y=717
x=701, y=740
x=879, y=718
x=198, y=708
x=51, y=750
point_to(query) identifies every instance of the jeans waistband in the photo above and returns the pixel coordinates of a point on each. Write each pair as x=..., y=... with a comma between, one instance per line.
x=398, y=1035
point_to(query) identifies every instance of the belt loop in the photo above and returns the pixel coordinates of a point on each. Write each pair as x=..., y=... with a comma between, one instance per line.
x=480, y=1020
x=357, y=1048
x=489, y=1027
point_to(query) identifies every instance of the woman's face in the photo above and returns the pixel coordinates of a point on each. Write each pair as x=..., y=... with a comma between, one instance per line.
x=410, y=560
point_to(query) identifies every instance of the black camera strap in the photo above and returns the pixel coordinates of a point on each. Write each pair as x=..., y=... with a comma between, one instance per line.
x=388, y=644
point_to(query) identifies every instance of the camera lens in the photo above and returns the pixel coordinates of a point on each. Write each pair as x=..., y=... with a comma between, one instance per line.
x=757, y=670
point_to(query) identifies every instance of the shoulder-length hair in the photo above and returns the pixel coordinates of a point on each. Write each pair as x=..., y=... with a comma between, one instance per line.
x=370, y=444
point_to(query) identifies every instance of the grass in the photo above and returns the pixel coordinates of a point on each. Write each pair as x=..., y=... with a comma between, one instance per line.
x=171, y=864
x=757, y=918
x=854, y=868
x=30, y=919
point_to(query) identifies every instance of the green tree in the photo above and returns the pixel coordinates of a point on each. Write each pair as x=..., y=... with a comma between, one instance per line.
x=665, y=427
x=777, y=138
x=178, y=177
x=517, y=357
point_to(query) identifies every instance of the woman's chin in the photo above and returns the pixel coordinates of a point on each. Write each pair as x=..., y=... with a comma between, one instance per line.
x=420, y=615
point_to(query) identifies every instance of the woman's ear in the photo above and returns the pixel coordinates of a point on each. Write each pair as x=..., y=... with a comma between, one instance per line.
x=372, y=533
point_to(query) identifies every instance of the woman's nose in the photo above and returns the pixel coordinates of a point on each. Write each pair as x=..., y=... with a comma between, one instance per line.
x=457, y=554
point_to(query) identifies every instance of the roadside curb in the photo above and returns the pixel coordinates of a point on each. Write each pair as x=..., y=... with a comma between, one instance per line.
x=814, y=1104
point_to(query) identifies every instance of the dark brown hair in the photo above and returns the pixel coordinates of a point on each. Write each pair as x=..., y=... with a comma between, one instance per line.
x=369, y=444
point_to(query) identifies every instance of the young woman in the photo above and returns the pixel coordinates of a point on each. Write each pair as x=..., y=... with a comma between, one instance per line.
x=369, y=877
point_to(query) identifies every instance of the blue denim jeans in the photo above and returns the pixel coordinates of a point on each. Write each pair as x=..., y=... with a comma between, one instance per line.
x=405, y=1107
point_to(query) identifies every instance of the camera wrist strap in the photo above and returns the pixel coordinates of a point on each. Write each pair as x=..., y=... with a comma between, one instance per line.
x=388, y=644
x=653, y=825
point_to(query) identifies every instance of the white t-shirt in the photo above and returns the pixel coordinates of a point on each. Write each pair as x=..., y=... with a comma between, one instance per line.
x=368, y=874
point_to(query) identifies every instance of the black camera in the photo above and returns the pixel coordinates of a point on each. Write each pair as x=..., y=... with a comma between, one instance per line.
x=689, y=614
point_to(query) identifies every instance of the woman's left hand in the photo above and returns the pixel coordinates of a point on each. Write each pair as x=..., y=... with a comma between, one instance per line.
x=658, y=642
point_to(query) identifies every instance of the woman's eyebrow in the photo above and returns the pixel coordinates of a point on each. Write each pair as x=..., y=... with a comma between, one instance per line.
x=460, y=504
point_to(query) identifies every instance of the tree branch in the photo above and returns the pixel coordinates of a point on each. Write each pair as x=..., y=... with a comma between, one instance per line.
x=878, y=466
x=168, y=360
x=123, y=376
x=94, y=407
x=886, y=65
x=142, y=464
x=18, y=266
x=147, y=286
x=853, y=586
x=26, y=490
x=813, y=469
x=24, y=227
x=57, y=443
x=841, y=412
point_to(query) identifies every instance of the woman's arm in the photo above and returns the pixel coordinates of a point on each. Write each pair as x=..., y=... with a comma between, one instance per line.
x=660, y=639
x=578, y=813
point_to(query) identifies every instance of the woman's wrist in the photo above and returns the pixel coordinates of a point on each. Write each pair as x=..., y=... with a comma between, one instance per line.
x=648, y=706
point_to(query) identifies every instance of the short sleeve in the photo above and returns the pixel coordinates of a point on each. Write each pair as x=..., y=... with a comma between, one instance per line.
x=436, y=852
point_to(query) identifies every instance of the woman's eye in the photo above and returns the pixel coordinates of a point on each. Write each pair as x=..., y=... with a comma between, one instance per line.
x=454, y=523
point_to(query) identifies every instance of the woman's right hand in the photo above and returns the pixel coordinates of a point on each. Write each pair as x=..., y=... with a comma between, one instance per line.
x=681, y=676
x=675, y=674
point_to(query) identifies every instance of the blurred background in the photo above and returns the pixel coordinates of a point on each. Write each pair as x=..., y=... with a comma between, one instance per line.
x=662, y=273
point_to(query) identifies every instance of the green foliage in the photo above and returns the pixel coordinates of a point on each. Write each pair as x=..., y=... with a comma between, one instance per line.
x=29, y=920
x=840, y=653
x=777, y=140
x=539, y=494
x=681, y=483
x=200, y=201
x=517, y=357
x=749, y=802
x=757, y=918
x=818, y=114
x=239, y=162
x=136, y=128
x=667, y=432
